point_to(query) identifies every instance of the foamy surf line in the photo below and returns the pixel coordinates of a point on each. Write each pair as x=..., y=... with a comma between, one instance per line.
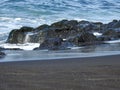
x=9, y=23
x=26, y=46
x=31, y=46
x=11, y=57
x=113, y=41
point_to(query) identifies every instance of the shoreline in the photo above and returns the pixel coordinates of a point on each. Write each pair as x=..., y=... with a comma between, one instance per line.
x=17, y=56
x=58, y=59
x=94, y=73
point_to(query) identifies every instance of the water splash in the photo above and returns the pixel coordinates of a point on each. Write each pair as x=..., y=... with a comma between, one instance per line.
x=27, y=38
x=26, y=46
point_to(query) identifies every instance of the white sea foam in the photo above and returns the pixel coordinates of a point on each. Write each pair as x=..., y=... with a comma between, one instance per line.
x=18, y=19
x=64, y=39
x=113, y=41
x=3, y=37
x=75, y=48
x=9, y=23
x=97, y=33
x=26, y=46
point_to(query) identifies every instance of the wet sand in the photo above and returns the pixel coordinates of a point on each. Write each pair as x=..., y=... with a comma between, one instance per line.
x=94, y=73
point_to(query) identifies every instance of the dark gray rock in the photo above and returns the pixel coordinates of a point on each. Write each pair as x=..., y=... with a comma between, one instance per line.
x=42, y=27
x=1, y=48
x=89, y=26
x=2, y=54
x=110, y=35
x=55, y=44
x=117, y=24
x=52, y=44
x=85, y=25
x=113, y=24
x=65, y=24
x=18, y=35
x=63, y=29
x=83, y=38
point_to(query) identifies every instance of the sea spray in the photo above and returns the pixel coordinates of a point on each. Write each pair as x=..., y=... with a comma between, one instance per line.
x=28, y=37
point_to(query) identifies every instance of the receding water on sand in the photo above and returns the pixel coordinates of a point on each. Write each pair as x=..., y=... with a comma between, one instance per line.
x=86, y=51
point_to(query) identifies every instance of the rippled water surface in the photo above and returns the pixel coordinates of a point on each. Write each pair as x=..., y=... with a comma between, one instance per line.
x=17, y=13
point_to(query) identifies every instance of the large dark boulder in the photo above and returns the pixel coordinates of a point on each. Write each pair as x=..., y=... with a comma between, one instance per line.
x=83, y=39
x=42, y=27
x=63, y=29
x=65, y=24
x=89, y=26
x=55, y=44
x=117, y=24
x=85, y=25
x=98, y=26
x=52, y=44
x=110, y=34
x=18, y=35
x=113, y=24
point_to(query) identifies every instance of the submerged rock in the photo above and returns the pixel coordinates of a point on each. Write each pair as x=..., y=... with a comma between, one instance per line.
x=1, y=48
x=2, y=54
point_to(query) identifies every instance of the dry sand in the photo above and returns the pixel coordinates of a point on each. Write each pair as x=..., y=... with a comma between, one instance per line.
x=95, y=73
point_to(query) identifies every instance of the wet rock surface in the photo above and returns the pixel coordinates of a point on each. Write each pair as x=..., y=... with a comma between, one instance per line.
x=52, y=43
x=18, y=35
x=2, y=54
x=63, y=33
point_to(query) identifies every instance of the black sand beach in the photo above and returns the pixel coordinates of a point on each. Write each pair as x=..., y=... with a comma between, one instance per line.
x=95, y=73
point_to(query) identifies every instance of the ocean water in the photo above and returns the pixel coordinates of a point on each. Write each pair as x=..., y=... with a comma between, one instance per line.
x=17, y=13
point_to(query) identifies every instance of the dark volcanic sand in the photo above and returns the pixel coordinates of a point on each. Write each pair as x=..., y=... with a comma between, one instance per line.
x=97, y=73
